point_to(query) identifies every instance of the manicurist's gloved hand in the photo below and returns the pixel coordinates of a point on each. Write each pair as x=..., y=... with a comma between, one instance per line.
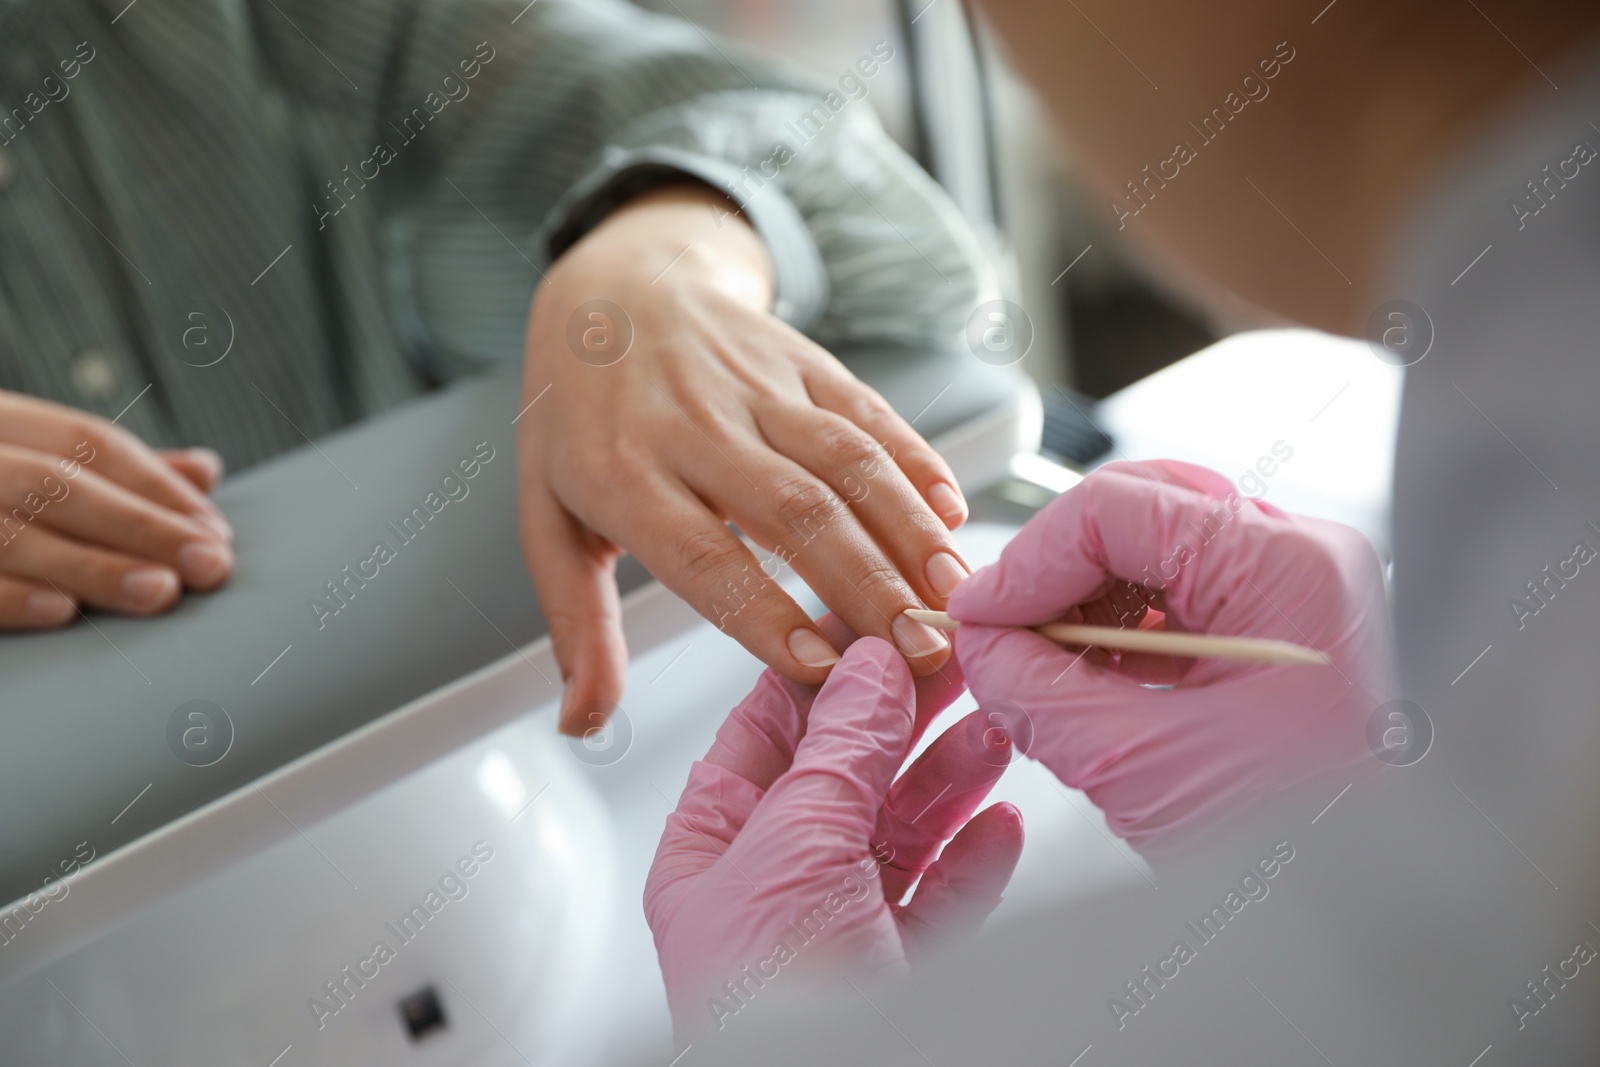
x=793, y=843
x=684, y=405
x=1134, y=539
x=91, y=517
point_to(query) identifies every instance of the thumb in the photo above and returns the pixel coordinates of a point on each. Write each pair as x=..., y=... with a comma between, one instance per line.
x=1141, y=524
x=825, y=806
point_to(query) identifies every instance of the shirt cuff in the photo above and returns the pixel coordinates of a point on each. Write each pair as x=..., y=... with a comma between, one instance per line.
x=800, y=281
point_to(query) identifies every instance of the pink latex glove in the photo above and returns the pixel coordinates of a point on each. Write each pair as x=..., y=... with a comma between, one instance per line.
x=793, y=843
x=1164, y=764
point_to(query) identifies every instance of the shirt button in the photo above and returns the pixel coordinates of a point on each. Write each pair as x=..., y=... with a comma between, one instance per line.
x=8, y=169
x=94, y=375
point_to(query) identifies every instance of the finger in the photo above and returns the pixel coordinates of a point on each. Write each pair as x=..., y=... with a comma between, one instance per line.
x=1108, y=734
x=960, y=890
x=702, y=561
x=1027, y=669
x=1121, y=607
x=1200, y=479
x=33, y=606
x=753, y=748
x=855, y=466
x=1129, y=523
x=712, y=811
x=201, y=466
x=758, y=739
x=1125, y=607
x=804, y=523
x=834, y=388
x=86, y=440
x=936, y=690
x=857, y=734
x=96, y=511
x=574, y=575
x=935, y=797
x=95, y=576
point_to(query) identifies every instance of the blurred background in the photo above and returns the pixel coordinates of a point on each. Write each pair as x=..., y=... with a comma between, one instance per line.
x=982, y=134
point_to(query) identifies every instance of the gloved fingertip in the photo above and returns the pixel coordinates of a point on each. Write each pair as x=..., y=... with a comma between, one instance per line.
x=985, y=852
x=857, y=734
x=870, y=661
x=970, y=597
x=967, y=882
x=1007, y=819
x=869, y=691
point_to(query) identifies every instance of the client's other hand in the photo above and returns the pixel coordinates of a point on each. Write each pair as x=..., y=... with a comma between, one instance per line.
x=1133, y=540
x=90, y=515
x=793, y=843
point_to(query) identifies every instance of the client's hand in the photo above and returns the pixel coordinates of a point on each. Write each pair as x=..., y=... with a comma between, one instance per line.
x=90, y=515
x=686, y=405
x=1136, y=539
x=793, y=844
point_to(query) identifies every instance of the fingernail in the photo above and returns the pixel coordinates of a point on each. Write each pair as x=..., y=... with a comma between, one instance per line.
x=149, y=586
x=945, y=572
x=211, y=459
x=808, y=647
x=50, y=609
x=203, y=562
x=212, y=520
x=914, y=639
x=946, y=502
x=565, y=711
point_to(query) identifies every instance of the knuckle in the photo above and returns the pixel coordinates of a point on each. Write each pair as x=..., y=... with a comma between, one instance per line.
x=96, y=576
x=1306, y=560
x=1309, y=551
x=628, y=457
x=604, y=476
x=147, y=528
x=624, y=464
x=848, y=448
x=571, y=627
x=93, y=436
x=103, y=571
x=880, y=582
x=704, y=413
x=868, y=406
x=559, y=617
x=922, y=525
x=1349, y=556
x=797, y=500
x=702, y=554
x=27, y=475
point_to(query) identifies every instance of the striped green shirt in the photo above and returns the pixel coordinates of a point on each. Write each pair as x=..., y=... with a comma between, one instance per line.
x=245, y=223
